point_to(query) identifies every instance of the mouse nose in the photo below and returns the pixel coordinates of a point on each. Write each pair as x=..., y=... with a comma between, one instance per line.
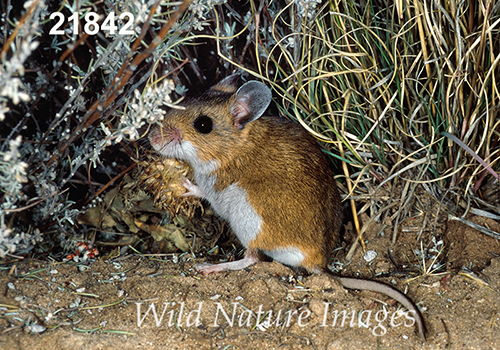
x=161, y=136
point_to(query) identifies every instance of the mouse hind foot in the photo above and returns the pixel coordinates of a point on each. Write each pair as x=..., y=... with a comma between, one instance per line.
x=249, y=259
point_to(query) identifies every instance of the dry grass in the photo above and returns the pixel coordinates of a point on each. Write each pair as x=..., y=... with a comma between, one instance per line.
x=405, y=94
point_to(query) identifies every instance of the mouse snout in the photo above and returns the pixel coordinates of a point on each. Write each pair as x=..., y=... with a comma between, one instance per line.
x=163, y=136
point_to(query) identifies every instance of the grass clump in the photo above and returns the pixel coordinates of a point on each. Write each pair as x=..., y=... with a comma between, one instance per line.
x=407, y=92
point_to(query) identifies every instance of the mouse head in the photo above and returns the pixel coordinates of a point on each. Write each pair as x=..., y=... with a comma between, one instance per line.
x=214, y=127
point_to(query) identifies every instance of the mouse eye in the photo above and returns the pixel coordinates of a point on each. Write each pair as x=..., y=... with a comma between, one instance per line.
x=203, y=124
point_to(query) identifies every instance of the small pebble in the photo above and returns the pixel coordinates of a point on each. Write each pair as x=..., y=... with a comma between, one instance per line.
x=370, y=255
x=36, y=328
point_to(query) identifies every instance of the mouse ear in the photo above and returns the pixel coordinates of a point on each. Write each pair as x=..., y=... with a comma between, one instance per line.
x=252, y=100
x=228, y=84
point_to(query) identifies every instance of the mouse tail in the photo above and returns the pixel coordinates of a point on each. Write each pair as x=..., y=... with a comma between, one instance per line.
x=380, y=287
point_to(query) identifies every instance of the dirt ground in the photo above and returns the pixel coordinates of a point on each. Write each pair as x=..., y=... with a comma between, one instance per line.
x=108, y=304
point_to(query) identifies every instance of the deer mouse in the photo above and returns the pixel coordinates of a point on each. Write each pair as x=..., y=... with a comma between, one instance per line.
x=266, y=176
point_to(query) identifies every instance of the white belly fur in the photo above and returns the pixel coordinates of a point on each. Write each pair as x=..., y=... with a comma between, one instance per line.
x=233, y=206
x=290, y=256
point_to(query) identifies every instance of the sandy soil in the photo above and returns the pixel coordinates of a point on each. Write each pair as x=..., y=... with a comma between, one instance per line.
x=107, y=305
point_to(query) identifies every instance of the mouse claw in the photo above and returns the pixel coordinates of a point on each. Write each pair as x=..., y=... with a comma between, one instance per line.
x=193, y=190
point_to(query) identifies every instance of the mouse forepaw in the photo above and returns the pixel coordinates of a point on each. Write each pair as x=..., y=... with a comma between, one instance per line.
x=193, y=190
